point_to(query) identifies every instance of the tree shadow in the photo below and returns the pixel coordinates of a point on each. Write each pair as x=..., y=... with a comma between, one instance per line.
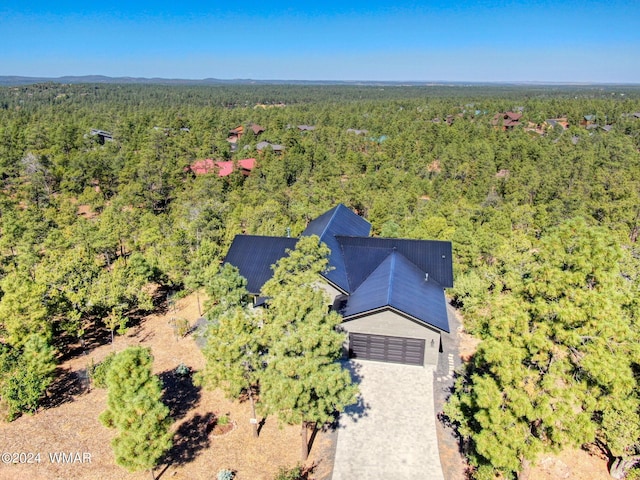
x=261, y=424
x=191, y=438
x=463, y=443
x=359, y=409
x=179, y=394
x=70, y=346
x=312, y=438
x=66, y=385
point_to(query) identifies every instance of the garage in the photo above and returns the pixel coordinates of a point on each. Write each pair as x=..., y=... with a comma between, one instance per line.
x=386, y=349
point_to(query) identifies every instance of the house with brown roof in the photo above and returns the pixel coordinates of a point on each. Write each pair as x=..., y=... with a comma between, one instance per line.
x=506, y=120
x=236, y=133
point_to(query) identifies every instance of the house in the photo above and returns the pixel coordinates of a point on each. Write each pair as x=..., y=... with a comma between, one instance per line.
x=102, y=135
x=389, y=291
x=588, y=120
x=263, y=145
x=236, y=133
x=506, y=120
x=561, y=122
x=224, y=168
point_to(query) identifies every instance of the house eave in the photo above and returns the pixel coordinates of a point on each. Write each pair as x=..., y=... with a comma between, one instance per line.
x=334, y=285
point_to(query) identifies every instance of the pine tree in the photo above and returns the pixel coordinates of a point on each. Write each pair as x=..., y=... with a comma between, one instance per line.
x=135, y=409
x=25, y=374
x=226, y=289
x=233, y=348
x=557, y=366
x=22, y=310
x=302, y=381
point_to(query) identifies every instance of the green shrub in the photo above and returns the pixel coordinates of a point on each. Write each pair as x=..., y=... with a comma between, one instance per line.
x=633, y=474
x=182, y=327
x=98, y=373
x=25, y=375
x=223, y=420
x=295, y=473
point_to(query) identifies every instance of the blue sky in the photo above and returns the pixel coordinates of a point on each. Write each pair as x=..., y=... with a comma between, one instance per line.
x=463, y=40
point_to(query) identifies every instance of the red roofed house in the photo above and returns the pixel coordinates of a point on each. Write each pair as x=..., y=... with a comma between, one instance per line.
x=202, y=167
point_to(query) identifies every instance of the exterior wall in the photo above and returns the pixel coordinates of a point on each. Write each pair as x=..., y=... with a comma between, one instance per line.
x=388, y=322
x=330, y=291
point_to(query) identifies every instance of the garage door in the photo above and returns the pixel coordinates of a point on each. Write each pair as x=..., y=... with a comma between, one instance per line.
x=386, y=349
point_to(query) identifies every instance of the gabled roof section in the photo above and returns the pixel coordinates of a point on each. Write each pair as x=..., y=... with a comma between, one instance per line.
x=363, y=255
x=254, y=255
x=225, y=168
x=400, y=285
x=338, y=221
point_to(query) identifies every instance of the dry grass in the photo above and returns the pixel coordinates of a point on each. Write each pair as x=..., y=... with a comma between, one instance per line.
x=71, y=423
x=570, y=464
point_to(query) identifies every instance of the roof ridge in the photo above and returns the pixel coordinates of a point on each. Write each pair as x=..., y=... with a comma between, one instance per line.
x=391, y=268
x=333, y=215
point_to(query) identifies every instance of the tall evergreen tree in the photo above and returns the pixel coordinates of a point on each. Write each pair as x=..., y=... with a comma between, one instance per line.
x=557, y=367
x=135, y=409
x=302, y=381
x=233, y=347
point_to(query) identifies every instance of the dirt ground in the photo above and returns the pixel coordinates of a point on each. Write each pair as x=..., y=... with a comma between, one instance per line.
x=70, y=423
x=570, y=464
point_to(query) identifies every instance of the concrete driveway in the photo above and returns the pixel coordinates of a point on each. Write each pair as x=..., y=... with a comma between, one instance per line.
x=390, y=432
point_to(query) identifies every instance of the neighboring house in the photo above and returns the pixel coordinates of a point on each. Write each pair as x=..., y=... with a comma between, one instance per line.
x=224, y=168
x=236, y=133
x=562, y=122
x=102, y=135
x=357, y=132
x=389, y=291
x=263, y=145
x=506, y=120
x=588, y=120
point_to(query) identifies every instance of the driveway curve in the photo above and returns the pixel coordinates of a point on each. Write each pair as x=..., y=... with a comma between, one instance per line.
x=390, y=432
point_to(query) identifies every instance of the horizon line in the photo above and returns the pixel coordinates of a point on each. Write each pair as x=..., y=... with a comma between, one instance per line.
x=115, y=79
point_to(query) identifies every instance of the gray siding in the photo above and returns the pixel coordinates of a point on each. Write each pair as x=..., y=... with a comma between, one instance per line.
x=388, y=322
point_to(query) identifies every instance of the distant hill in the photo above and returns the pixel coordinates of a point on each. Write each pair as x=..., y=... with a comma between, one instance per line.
x=8, y=80
x=15, y=80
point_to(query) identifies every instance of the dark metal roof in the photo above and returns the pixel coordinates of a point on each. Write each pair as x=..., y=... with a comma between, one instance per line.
x=400, y=285
x=254, y=255
x=337, y=221
x=404, y=275
x=363, y=255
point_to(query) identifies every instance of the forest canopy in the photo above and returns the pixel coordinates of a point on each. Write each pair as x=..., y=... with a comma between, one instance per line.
x=100, y=213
